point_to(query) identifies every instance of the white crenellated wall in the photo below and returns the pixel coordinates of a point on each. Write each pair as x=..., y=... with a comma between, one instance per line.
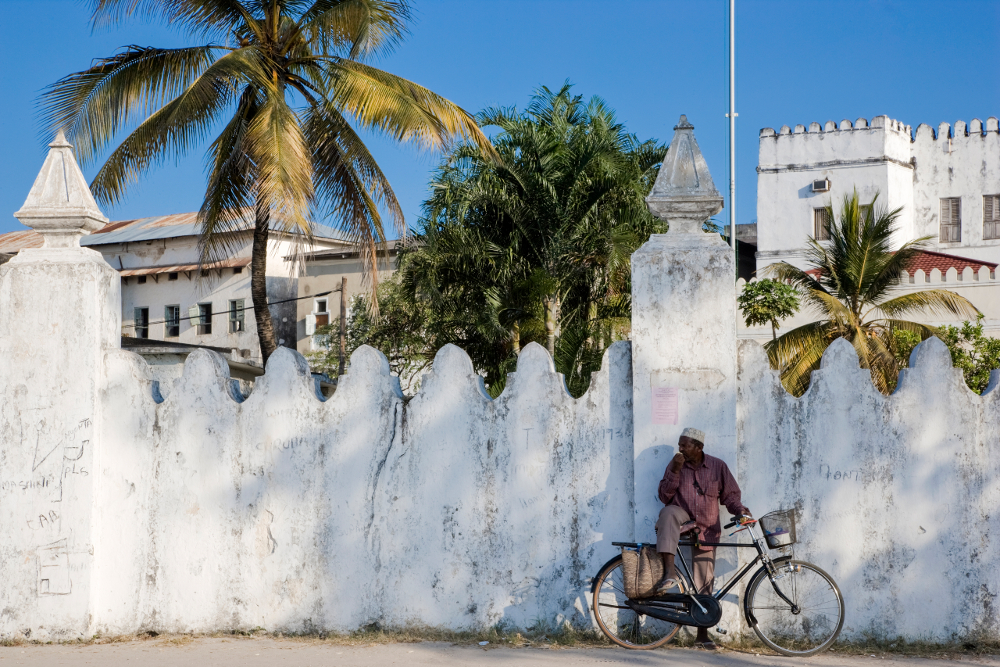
x=289, y=513
x=126, y=507
x=896, y=496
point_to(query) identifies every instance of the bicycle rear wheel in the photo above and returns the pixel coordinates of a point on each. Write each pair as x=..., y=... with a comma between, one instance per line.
x=807, y=626
x=621, y=624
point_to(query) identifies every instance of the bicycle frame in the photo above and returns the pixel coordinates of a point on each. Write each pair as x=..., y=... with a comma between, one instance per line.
x=763, y=555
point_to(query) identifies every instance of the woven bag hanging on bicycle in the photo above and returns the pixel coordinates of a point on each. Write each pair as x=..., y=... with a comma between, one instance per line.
x=642, y=569
x=779, y=528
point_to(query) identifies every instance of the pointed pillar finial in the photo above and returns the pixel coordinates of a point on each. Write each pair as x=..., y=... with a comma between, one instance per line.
x=684, y=194
x=60, y=206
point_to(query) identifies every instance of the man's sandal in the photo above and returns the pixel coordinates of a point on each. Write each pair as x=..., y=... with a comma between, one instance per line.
x=708, y=646
x=669, y=586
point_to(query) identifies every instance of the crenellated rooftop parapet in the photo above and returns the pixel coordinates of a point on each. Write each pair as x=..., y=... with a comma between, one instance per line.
x=975, y=127
x=878, y=122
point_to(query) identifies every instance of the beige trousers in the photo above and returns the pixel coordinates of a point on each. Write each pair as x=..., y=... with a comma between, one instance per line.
x=701, y=561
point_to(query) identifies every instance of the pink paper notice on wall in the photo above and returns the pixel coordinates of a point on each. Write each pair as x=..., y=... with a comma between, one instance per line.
x=665, y=405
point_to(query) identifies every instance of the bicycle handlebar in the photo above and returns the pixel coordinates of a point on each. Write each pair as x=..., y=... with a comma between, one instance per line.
x=733, y=521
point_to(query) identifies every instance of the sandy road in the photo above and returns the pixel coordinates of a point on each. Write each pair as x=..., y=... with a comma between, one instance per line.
x=250, y=652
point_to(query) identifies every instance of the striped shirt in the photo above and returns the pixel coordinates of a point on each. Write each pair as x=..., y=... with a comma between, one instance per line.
x=699, y=491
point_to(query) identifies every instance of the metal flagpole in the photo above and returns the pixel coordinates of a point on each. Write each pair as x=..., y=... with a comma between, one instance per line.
x=732, y=128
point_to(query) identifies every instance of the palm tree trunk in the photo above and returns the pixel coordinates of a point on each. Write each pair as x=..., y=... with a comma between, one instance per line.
x=258, y=286
x=774, y=331
x=515, y=338
x=551, y=303
x=591, y=319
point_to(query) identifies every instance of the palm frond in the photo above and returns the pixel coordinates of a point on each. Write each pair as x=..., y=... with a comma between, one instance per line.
x=176, y=127
x=93, y=105
x=282, y=163
x=402, y=109
x=229, y=198
x=937, y=301
x=356, y=29
x=798, y=352
x=202, y=17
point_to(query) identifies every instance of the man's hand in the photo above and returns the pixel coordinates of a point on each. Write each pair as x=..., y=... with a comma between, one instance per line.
x=676, y=463
x=746, y=518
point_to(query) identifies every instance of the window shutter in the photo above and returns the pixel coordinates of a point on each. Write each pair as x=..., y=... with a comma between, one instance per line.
x=991, y=217
x=821, y=222
x=310, y=324
x=951, y=220
x=195, y=314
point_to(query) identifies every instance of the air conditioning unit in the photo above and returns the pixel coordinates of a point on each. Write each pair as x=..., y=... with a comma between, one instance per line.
x=822, y=185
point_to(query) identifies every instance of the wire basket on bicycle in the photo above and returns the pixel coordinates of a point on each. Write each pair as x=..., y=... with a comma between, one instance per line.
x=779, y=528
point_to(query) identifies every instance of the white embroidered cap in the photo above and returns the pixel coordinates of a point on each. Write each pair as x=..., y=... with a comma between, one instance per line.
x=694, y=434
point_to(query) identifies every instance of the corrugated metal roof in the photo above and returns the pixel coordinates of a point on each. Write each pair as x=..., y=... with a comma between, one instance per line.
x=141, y=229
x=175, y=226
x=12, y=242
x=177, y=268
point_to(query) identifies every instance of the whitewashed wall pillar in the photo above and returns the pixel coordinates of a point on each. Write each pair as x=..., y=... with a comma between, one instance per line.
x=67, y=304
x=683, y=328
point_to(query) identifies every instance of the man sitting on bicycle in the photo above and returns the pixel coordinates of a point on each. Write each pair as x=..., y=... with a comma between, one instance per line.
x=692, y=487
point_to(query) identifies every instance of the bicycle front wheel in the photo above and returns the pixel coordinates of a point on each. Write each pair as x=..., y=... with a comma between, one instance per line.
x=805, y=623
x=620, y=623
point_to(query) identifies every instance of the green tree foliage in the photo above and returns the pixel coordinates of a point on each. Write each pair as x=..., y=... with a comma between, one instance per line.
x=976, y=354
x=857, y=271
x=533, y=246
x=287, y=82
x=767, y=301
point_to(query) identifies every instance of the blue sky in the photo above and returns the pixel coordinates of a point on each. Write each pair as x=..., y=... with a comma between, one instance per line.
x=920, y=61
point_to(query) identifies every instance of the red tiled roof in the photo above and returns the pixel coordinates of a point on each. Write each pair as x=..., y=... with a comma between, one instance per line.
x=927, y=260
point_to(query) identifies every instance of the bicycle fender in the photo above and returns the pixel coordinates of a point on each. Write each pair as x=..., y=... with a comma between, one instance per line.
x=593, y=581
x=762, y=570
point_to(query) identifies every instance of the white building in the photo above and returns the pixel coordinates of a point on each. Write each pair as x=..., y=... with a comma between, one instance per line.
x=947, y=182
x=167, y=296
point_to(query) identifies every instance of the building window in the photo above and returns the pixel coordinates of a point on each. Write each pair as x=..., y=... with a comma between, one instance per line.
x=236, y=316
x=142, y=322
x=322, y=313
x=991, y=217
x=172, y=320
x=951, y=220
x=863, y=211
x=238, y=269
x=172, y=275
x=821, y=224
x=141, y=280
x=204, y=319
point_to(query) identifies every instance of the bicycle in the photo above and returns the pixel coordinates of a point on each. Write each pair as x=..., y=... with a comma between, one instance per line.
x=799, y=611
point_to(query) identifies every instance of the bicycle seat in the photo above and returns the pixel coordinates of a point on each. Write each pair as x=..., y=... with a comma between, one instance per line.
x=690, y=529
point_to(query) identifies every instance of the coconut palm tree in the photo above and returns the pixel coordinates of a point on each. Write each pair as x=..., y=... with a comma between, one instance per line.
x=281, y=84
x=852, y=283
